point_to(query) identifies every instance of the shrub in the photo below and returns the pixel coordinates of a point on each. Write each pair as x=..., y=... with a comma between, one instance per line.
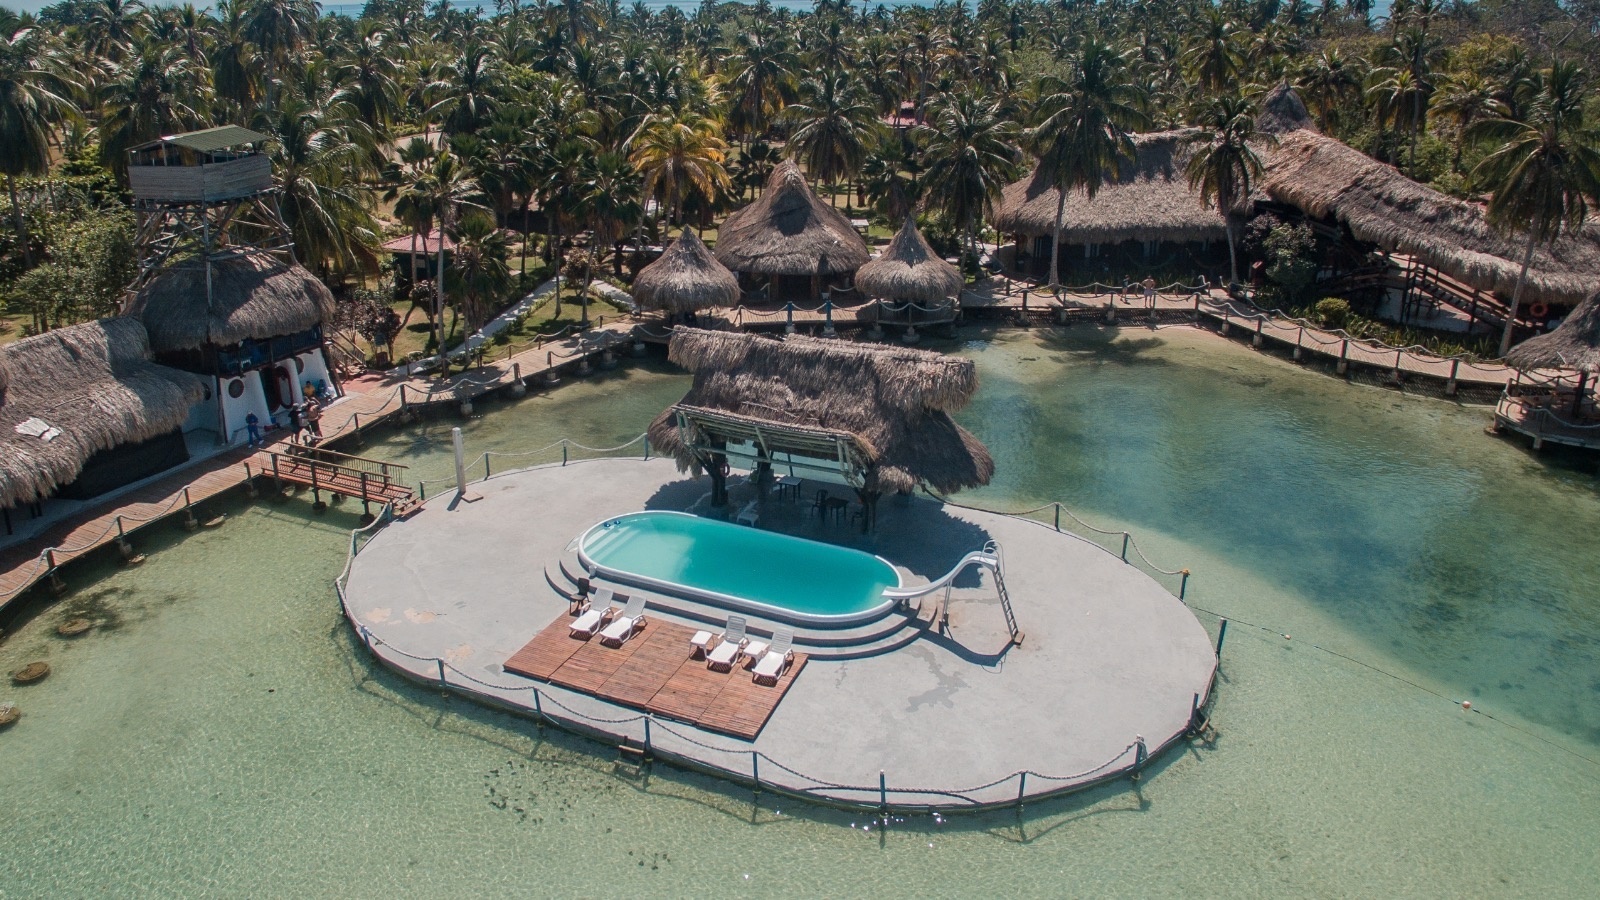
x=1331, y=312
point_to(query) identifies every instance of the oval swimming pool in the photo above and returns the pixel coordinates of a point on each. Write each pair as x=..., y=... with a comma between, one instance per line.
x=747, y=569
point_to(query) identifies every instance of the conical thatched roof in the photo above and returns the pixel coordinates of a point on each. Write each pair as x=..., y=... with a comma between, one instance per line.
x=1326, y=178
x=790, y=231
x=895, y=403
x=254, y=296
x=1150, y=201
x=686, y=277
x=908, y=269
x=95, y=383
x=1574, y=344
x=1282, y=111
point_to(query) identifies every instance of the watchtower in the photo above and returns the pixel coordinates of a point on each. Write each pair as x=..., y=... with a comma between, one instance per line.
x=208, y=193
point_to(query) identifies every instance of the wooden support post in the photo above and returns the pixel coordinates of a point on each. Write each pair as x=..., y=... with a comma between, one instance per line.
x=1450, y=386
x=1299, y=339
x=57, y=586
x=249, y=482
x=1257, y=340
x=189, y=522
x=316, y=491
x=1343, y=365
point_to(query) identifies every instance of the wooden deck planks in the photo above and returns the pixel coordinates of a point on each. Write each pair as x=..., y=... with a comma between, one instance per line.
x=659, y=651
x=654, y=671
x=743, y=707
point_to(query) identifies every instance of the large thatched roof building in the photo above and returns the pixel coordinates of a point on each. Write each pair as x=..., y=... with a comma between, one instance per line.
x=1150, y=201
x=792, y=237
x=78, y=393
x=908, y=269
x=1327, y=179
x=874, y=417
x=686, y=278
x=191, y=303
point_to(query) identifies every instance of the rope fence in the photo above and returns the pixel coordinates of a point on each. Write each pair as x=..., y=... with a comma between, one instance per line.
x=539, y=701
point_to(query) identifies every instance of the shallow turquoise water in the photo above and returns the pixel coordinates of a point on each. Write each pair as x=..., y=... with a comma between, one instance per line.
x=221, y=734
x=805, y=577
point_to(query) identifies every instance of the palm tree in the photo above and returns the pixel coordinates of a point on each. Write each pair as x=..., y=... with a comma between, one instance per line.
x=467, y=95
x=1083, y=132
x=35, y=95
x=112, y=26
x=1329, y=82
x=1545, y=172
x=833, y=126
x=279, y=29
x=1214, y=60
x=448, y=189
x=763, y=67
x=610, y=199
x=479, y=271
x=1224, y=165
x=235, y=73
x=1464, y=98
x=971, y=155
x=1394, y=93
x=157, y=91
x=412, y=205
x=367, y=79
x=679, y=154
x=321, y=158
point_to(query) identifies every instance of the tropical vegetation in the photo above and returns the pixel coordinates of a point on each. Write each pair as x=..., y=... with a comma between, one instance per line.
x=573, y=134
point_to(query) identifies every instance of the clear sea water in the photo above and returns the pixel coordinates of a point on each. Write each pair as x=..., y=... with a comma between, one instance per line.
x=805, y=577
x=221, y=734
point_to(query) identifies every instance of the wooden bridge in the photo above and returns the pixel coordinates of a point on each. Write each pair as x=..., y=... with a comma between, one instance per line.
x=342, y=475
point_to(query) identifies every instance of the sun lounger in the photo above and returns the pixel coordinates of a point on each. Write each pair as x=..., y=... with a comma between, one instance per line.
x=723, y=655
x=771, y=665
x=623, y=626
x=595, y=614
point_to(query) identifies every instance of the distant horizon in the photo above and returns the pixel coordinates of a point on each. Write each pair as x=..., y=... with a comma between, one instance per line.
x=35, y=6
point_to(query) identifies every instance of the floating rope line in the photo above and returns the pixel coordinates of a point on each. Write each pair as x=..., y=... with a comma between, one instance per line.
x=1464, y=704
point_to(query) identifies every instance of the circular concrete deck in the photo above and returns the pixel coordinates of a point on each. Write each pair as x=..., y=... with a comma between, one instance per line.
x=949, y=719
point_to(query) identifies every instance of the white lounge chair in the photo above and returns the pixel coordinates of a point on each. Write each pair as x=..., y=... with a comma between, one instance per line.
x=623, y=626
x=723, y=655
x=748, y=515
x=593, y=614
x=769, y=668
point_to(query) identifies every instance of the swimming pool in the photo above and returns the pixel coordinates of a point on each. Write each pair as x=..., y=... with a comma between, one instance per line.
x=774, y=575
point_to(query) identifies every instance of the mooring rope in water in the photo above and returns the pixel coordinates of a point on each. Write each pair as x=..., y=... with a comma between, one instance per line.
x=1466, y=705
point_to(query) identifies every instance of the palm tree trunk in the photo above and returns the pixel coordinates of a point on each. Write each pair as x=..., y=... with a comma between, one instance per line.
x=1233, y=255
x=18, y=223
x=1516, y=295
x=1055, y=243
x=438, y=292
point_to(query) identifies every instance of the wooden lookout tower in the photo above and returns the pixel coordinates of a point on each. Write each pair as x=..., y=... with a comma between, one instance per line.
x=208, y=192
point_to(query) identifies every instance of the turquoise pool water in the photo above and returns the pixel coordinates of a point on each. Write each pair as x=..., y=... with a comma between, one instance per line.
x=222, y=734
x=743, y=568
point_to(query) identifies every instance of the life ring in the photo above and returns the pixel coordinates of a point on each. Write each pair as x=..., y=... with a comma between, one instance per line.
x=1538, y=310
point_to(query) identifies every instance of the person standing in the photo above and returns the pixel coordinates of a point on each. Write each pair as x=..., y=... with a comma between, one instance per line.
x=1149, y=292
x=314, y=420
x=252, y=427
x=294, y=423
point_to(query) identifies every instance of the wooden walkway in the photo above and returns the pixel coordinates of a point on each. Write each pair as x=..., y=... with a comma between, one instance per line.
x=27, y=562
x=654, y=671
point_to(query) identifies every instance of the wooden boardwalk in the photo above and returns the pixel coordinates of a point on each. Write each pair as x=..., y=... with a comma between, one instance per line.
x=26, y=562
x=654, y=671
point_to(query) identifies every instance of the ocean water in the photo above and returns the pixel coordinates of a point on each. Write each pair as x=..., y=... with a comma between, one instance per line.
x=221, y=734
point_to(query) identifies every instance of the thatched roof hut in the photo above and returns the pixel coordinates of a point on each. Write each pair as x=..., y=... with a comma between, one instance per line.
x=908, y=269
x=686, y=277
x=1326, y=178
x=790, y=231
x=880, y=413
x=94, y=384
x=1574, y=344
x=251, y=296
x=1150, y=201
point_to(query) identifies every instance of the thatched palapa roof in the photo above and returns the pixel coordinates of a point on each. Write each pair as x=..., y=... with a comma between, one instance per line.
x=1326, y=178
x=253, y=296
x=893, y=404
x=94, y=383
x=686, y=277
x=1574, y=344
x=1150, y=201
x=908, y=269
x=790, y=231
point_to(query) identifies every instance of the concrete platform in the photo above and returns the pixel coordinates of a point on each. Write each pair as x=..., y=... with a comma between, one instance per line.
x=949, y=720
